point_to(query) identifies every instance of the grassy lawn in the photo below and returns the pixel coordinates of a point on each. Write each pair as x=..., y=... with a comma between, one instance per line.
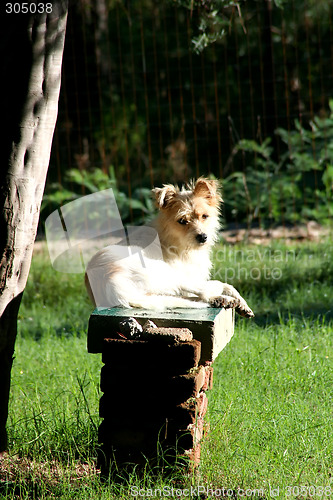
x=270, y=410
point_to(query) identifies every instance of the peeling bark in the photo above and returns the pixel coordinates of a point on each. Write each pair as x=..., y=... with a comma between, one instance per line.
x=31, y=48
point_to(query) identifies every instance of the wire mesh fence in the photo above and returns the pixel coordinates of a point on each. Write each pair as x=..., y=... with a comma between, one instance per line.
x=144, y=101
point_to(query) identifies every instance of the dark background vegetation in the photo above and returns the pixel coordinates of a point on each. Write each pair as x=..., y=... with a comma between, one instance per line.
x=166, y=91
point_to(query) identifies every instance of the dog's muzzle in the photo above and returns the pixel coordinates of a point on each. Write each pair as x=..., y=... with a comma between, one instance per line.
x=201, y=238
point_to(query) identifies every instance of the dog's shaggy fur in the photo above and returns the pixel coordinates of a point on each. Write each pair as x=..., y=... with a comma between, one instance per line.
x=178, y=276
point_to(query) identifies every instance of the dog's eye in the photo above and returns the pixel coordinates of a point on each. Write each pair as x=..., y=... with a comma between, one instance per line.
x=205, y=216
x=182, y=221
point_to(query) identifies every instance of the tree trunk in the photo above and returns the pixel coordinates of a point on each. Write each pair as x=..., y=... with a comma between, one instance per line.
x=31, y=48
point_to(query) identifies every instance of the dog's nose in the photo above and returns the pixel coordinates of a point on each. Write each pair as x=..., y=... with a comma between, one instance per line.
x=201, y=237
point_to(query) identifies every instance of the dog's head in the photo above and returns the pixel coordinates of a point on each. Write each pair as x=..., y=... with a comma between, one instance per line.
x=189, y=216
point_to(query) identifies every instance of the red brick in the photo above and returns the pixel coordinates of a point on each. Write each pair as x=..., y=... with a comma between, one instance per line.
x=191, y=436
x=202, y=404
x=140, y=434
x=194, y=455
x=156, y=397
x=148, y=390
x=168, y=335
x=184, y=416
x=185, y=386
x=133, y=436
x=208, y=383
x=117, y=413
x=198, y=406
x=172, y=359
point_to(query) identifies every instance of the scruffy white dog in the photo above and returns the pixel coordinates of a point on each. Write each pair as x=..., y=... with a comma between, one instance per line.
x=173, y=270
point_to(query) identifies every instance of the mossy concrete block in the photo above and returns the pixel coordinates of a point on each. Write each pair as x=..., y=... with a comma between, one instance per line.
x=213, y=327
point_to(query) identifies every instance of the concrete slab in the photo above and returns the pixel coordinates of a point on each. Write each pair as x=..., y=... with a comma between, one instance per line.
x=213, y=327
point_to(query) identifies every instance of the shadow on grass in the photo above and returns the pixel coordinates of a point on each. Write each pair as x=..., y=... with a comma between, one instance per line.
x=27, y=478
x=264, y=319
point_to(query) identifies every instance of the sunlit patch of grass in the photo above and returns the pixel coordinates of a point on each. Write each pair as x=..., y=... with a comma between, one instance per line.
x=271, y=406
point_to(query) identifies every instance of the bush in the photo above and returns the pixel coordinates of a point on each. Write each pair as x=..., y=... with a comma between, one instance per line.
x=293, y=188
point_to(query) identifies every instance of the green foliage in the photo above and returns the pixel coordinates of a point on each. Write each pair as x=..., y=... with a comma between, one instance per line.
x=213, y=19
x=294, y=188
x=137, y=92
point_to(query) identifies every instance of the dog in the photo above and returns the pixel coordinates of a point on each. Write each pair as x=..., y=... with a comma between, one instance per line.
x=173, y=270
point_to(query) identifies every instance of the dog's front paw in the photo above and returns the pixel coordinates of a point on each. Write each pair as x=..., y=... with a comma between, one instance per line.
x=224, y=301
x=244, y=310
x=228, y=302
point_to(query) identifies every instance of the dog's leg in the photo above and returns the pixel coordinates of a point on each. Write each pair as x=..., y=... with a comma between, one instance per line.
x=219, y=294
x=162, y=302
x=241, y=307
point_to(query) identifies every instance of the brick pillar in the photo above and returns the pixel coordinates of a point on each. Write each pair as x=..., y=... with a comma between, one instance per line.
x=154, y=382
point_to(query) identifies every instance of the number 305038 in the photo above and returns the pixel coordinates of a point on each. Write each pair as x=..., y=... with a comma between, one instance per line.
x=28, y=8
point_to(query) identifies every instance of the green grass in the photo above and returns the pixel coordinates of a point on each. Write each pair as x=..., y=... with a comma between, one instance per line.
x=271, y=407
x=270, y=410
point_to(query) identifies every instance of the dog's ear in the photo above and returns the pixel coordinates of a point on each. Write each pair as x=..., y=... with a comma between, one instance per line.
x=165, y=195
x=209, y=189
